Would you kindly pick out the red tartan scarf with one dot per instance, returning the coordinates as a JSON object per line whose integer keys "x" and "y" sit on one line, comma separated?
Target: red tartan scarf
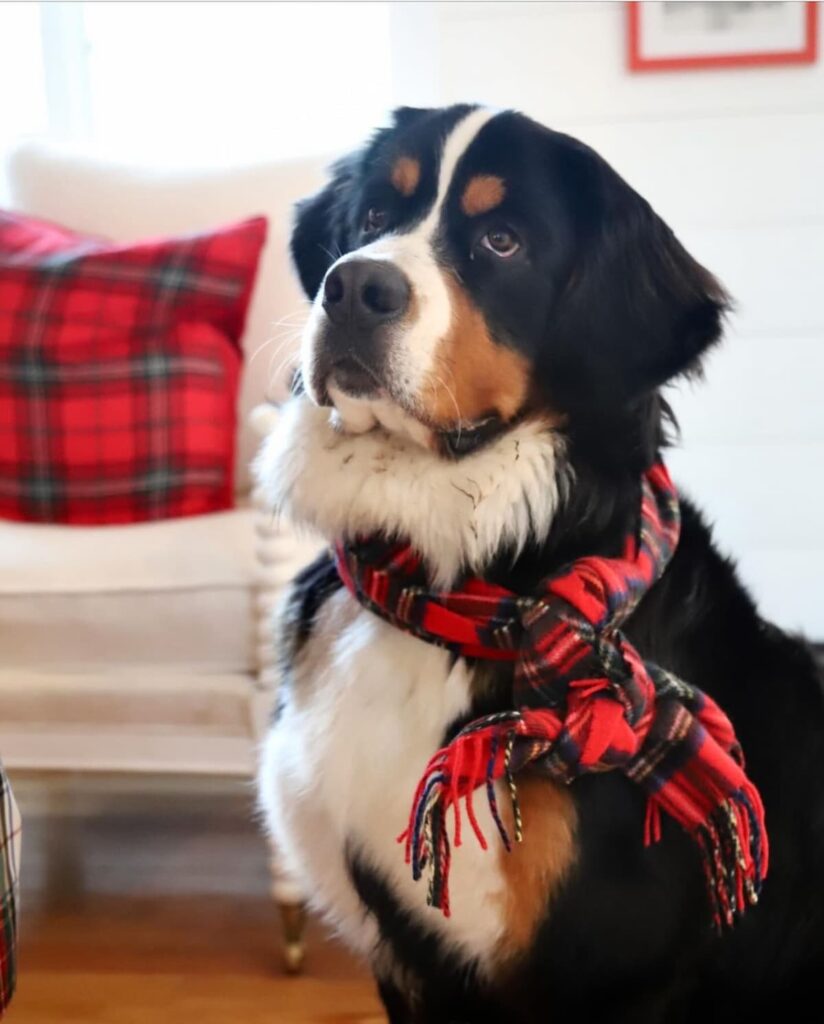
{"x": 583, "y": 701}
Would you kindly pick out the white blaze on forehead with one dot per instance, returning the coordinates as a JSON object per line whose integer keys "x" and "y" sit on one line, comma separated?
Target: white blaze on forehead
{"x": 413, "y": 356}
{"x": 455, "y": 145}
{"x": 412, "y": 359}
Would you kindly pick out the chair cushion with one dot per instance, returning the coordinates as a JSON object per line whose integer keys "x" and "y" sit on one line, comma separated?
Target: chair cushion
{"x": 127, "y": 719}
{"x": 119, "y": 368}
{"x": 173, "y": 593}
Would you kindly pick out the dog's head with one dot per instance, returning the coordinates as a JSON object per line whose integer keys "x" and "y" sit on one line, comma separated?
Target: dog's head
{"x": 469, "y": 269}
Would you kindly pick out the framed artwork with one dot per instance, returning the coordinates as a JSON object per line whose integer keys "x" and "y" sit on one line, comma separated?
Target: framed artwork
{"x": 667, "y": 36}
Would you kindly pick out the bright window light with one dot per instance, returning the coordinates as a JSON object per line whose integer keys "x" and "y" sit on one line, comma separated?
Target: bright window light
{"x": 22, "y": 89}
{"x": 188, "y": 82}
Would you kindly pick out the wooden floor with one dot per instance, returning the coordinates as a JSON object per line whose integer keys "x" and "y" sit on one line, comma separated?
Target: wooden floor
{"x": 163, "y": 917}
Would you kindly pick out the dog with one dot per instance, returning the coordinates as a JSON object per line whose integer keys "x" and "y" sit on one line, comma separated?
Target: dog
{"x": 493, "y": 313}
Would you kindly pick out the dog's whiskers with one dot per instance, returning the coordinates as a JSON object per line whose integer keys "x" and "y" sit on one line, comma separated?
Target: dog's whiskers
{"x": 282, "y": 339}
{"x": 291, "y": 358}
{"x": 291, "y": 324}
{"x": 331, "y": 256}
{"x": 451, "y": 394}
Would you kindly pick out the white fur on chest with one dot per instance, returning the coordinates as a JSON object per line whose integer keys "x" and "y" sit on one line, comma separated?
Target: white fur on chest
{"x": 457, "y": 514}
{"x": 367, "y": 707}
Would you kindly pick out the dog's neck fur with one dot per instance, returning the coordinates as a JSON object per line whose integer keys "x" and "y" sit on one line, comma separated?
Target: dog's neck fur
{"x": 515, "y": 510}
{"x": 458, "y": 514}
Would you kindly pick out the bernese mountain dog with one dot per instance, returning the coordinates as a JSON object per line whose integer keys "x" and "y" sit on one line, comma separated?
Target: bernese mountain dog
{"x": 493, "y": 314}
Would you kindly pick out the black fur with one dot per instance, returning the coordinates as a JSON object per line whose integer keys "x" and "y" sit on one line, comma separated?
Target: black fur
{"x": 328, "y": 224}
{"x": 607, "y": 305}
{"x": 602, "y": 298}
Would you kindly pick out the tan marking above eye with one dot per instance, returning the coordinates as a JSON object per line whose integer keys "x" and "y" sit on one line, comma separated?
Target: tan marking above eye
{"x": 405, "y": 175}
{"x": 482, "y": 193}
{"x": 472, "y": 374}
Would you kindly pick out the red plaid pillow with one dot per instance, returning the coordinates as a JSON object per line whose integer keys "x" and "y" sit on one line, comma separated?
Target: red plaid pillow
{"x": 119, "y": 367}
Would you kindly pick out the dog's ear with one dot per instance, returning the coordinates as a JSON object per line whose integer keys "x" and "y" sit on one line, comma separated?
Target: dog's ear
{"x": 637, "y": 309}
{"x": 405, "y": 117}
{"x": 321, "y": 225}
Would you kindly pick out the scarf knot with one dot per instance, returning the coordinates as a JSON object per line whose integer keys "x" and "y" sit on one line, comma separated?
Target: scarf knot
{"x": 584, "y": 701}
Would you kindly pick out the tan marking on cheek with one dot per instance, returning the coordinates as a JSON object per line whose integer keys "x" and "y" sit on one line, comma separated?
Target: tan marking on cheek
{"x": 535, "y": 867}
{"x": 483, "y": 193}
{"x": 472, "y": 374}
{"x": 405, "y": 175}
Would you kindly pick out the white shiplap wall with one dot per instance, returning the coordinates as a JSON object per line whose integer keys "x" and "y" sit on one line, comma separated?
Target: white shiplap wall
{"x": 734, "y": 161}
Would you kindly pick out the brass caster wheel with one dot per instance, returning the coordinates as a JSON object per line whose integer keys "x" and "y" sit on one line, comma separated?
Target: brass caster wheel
{"x": 293, "y": 922}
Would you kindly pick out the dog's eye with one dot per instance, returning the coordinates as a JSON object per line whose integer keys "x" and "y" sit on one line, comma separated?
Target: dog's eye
{"x": 502, "y": 242}
{"x": 375, "y": 220}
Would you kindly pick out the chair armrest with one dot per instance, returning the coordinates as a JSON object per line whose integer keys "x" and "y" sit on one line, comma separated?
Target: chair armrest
{"x": 281, "y": 552}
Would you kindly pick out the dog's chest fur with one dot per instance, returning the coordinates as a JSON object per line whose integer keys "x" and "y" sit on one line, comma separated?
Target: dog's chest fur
{"x": 365, "y": 706}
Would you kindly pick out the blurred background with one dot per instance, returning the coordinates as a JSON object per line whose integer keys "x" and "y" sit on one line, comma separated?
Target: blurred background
{"x": 136, "y": 671}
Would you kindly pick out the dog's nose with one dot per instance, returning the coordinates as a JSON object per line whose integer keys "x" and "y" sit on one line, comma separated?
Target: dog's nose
{"x": 365, "y": 293}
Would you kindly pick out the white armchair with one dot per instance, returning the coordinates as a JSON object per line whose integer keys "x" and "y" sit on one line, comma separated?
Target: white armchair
{"x": 148, "y": 648}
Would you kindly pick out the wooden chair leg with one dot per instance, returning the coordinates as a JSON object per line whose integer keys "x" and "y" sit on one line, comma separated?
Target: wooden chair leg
{"x": 293, "y": 922}
{"x": 289, "y": 899}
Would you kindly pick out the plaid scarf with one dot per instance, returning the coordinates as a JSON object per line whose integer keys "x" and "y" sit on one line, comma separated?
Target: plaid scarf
{"x": 583, "y": 701}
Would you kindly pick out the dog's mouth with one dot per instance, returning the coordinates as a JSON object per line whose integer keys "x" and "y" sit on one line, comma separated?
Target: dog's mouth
{"x": 362, "y": 402}
{"x": 469, "y": 437}
{"x": 354, "y": 378}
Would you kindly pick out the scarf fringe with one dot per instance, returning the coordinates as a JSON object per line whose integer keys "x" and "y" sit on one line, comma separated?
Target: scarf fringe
{"x": 478, "y": 756}
{"x": 731, "y": 854}
{"x": 731, "y": 838}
